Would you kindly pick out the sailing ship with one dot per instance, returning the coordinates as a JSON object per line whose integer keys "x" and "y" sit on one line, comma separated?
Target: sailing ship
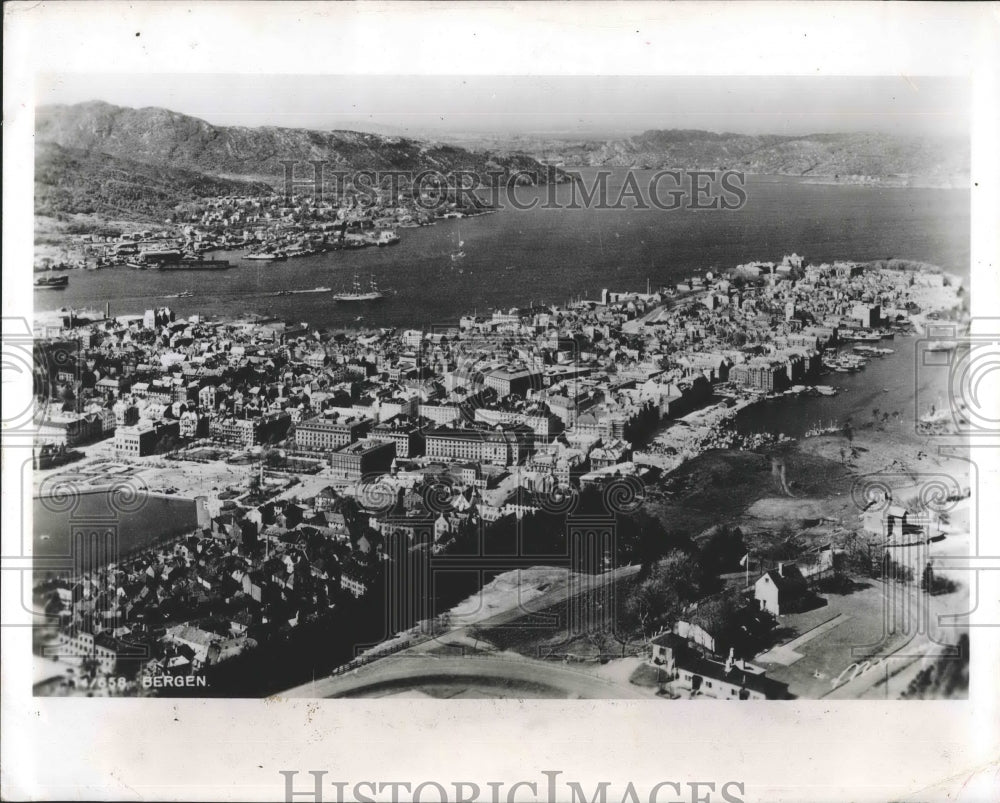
{"x": 358, "y": 294}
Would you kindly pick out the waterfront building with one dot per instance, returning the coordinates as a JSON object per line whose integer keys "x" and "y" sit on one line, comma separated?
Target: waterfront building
{"x": 762, "y": 375}
{"x": 143, "y": 439}
{"x": 870, "y": 315}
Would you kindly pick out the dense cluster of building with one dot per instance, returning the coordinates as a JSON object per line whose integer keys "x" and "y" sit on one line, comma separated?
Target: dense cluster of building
{"x": 503, "y": 407}
{"x": 276, "y": 225}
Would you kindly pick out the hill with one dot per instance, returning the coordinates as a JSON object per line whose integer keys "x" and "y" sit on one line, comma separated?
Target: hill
{"x": 163, "y": 137}
{"x": 918, "y": 160}
{"x": 72, "y": 181}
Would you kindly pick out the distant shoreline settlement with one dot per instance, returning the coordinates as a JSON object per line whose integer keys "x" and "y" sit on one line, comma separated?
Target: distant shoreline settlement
{"x": 310, "y": 451}
{"x": 265, "y": 228}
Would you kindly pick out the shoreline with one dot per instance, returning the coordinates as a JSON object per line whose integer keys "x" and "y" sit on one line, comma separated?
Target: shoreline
{"x": 671, "y": 443}
{"x": 634, "y": 326}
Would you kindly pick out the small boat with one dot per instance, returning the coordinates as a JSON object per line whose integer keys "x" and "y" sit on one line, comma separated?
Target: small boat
{"x": 826, "y": 390}
{"x": 457, "y": 256}
{"x": 51, "y": 282}
{"x": 299, "y": 292}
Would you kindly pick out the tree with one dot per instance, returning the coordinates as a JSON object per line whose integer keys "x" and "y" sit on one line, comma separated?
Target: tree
{"x": 655, "y": 602}
{"x": 650, "y": 539}
{"x": 722, "y": 550}
{"x": 735, "y": 625}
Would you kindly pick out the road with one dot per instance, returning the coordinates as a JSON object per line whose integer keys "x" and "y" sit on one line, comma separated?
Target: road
{"x": 887, "y": 674}
{"x": 504, "y": 676}
{"x": 636, "y": 325}
{"x": 415, "y": 666}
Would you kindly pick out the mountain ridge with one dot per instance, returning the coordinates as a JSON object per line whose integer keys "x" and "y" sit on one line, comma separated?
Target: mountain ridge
{"x": 836, "y": 154}
{"x": 70, "y": 181}
{"x": 162, "y": 136}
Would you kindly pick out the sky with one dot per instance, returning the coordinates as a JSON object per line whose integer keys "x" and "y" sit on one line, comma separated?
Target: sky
{"x": 556, "y": 106}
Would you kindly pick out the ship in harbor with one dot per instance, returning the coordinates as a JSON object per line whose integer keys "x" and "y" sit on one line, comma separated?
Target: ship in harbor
{"x": 299, "y": 292}
{"x": 860, "y": 337}
{"x": 175, "y": 260}
{"x": 193, "y": 263}
{"x": 873, "y": 350}
{"x": 51, "y": 282}
{"x": 358, "y": 294}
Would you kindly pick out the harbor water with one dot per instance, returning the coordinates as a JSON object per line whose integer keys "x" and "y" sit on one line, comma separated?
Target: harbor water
{"x": 516, "y": 257}
{"x": 894, "y": 383}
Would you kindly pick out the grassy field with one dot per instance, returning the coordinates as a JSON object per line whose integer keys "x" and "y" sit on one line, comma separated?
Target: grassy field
{"x": 745, "y": 489}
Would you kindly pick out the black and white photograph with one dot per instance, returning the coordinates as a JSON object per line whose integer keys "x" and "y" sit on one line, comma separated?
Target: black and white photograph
{"x": 497, "y": 386}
